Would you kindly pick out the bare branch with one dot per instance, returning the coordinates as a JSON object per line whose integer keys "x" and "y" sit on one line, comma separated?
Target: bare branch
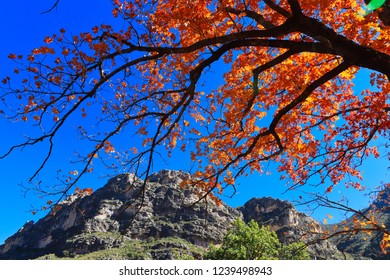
{"x": 52, "y": 8}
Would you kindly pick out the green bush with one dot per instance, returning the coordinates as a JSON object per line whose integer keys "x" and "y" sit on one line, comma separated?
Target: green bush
{"x": 251, "y": 242}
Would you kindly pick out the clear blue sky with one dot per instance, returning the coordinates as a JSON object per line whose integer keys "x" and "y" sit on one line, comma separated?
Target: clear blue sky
{"x": 23, "y": 28}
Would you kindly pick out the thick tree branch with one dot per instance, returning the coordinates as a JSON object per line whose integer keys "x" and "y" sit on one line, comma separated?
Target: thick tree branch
{"x": 295, "y": 7}
{"x": 353, "y": 53}
{"x": 307, "y": 92}
{"x": 277, "y": 8}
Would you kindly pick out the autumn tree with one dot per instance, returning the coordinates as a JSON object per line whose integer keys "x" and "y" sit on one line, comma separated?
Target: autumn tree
{"x": 287, "y": 92}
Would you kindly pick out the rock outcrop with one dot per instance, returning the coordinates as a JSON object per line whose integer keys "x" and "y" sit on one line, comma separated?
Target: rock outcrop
{"x": 367, "y": 245}
{"x": 290, "y": 225}
{"x": 121, "y": 221}
{"x": 121, "y": 212}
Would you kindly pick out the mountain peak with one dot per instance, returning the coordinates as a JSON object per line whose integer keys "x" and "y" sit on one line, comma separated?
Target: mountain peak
{"x": 122, "y": 208}
{"x": 168, "y": 177}
{"x": 154, "y": 223}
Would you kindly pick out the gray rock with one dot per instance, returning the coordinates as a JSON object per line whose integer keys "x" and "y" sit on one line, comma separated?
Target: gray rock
{"x": 363, "y": 245}
{"x": 290, "y": 225}
{"x": 128, "y": 212}
{"x": 121, "y": 208}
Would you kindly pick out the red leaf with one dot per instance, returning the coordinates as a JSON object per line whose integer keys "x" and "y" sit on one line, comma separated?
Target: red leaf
{"x": 328, "y": 190}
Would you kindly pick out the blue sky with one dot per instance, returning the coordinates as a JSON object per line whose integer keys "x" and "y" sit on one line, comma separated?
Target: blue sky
{"x": 23, "y": 28}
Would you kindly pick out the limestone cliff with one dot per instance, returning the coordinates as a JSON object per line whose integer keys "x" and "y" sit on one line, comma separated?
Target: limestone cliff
{"x": 119, "y": 221}
{"x": 290, "y": 225}
{"x": 118, "y": 213}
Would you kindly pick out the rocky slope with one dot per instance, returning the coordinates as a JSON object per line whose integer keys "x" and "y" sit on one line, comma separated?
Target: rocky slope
{"x": 290, "y": 225}
{"x": 363, "y": 244}
{"x": 112, "y": 217}
{"x": 111, "y": 224}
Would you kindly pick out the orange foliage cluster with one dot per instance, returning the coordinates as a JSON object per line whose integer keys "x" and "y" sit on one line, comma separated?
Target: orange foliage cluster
{"x": 385, "y": 244}
{"x": 83, "y": 192}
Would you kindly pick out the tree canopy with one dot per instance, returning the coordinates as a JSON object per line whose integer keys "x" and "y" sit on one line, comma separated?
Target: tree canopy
{"x": 286, "y": 95}
{"x": 251, "y": 242}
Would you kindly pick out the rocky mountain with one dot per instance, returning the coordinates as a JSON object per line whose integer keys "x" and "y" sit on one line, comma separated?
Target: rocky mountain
{"x": 290, "y": 225}
{"x": 120, "y": 213}
{"x": 363, "y": 244}
{"x": 120, "y": 221}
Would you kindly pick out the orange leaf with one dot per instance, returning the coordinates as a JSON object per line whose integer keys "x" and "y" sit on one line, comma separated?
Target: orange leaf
{"x": 88, "y": 191}
{"x": 48, "y": 40}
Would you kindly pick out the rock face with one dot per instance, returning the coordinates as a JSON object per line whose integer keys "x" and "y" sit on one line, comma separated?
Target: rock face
{"x": 89, "y": 224}
{"x": 363, "y": 244}
{"x": 290, "y": 225}
{"x": 160, "y": 223}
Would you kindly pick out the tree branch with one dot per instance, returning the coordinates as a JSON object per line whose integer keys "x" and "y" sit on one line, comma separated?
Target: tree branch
{"x": 52, "y": 8}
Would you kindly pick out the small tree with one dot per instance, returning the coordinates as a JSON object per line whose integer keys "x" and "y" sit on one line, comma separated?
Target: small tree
{"x": 251, "y": 242}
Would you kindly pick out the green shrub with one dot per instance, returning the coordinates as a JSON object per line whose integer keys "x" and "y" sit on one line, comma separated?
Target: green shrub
{"x": 251, "y": 242}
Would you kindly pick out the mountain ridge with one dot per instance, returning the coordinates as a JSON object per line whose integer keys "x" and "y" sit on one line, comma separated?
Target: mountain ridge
{"x": 112, "y": 219}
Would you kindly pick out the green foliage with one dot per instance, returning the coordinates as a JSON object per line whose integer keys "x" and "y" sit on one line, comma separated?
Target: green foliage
{"x": 293, "y": 251}
{"x": 179, "y": 248}
{"x": 251, "y": 242}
